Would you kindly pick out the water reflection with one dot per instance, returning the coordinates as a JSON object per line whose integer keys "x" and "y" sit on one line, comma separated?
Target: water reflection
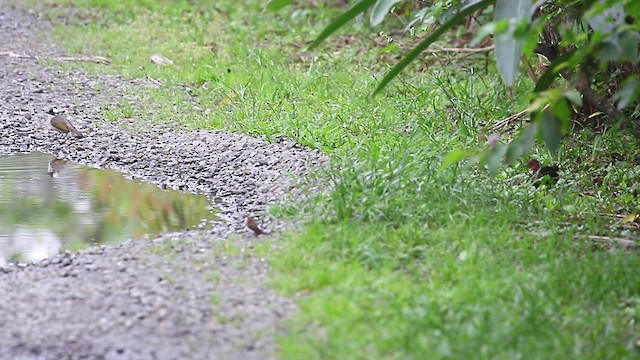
{"x": 48, "y": 205}
{"x": 55, "y": 166}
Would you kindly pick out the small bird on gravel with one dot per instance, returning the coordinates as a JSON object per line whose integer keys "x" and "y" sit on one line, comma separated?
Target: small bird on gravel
{"x": 253, "y": 225}
{"x": 543, "y": 175}
{"x": 61, "y": 124}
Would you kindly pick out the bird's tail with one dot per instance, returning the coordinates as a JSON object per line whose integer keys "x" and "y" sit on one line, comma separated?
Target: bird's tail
{"x": 77, "y": 134}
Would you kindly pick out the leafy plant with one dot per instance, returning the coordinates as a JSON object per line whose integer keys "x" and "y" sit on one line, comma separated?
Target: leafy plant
{"x": 590, "y": 51}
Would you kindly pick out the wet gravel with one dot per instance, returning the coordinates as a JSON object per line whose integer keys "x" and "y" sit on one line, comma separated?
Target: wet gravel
{"x": 179, "y": 296}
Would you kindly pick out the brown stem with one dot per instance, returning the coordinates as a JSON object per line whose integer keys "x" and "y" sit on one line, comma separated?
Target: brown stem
{"x": 600, "y": 103}
{"x": 583, "y": 86}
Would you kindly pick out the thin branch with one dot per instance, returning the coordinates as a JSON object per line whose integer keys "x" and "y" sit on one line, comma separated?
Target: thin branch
{"x": 437, "y": 49}
{"x": 154, "y": 80}
{"x": 15, "y": 55}
{"x": 629, "y": 243}
{"x": 532, "y": 73}
{"x": 93, "y": 59}
{"x": 600, "y": 103}
{"x": 582, "y": 83}
{"x": 612, "y": 240}
{"x": 501, "y": 124}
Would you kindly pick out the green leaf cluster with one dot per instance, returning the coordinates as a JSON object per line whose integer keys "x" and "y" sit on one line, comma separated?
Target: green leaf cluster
{"x": 589, "y": 49}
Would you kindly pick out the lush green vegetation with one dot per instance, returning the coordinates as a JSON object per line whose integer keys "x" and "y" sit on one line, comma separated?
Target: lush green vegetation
{"x": 401, "y": 259}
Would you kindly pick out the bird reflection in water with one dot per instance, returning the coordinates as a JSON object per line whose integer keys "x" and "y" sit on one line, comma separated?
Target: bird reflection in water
{"x": 73, "y": 206}
{"x": 55, "y": 167}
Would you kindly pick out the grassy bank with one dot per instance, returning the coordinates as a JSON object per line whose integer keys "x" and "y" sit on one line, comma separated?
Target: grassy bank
{"x": 401, "y": 260}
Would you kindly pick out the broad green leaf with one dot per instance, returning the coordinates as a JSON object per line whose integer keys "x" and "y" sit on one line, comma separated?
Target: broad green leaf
{"x": 508, "y": 49}
{"x": 485, "y": 30}
{"x": 380, "y": 10}
{"x": 522, "y": 143}
{"x": 454, "y": 157}
{"x": 419, "y": 16}
{"x": 607, "y": 21}
{"x": 608, "y": 51}
{"x": 456, "y": 19}
{"x": 627, "y": 93}
{"x": 553, "y": 70}
{"x": 495, "y": 158}
{"x": 562, "y": 113}
{"x": 628, "y": 41}
{"x": 550, "y": 131}
{"x": 275, "y": 5}
{"x": 573, "y": 96}
{"x": 474, "y": 160}
{"x": 633, "y": 7}
{"x": 357, "y": 9}
{"x": 388, "y": 48}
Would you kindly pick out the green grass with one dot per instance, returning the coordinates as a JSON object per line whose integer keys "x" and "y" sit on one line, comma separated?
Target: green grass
{"x": 400, "y": 260}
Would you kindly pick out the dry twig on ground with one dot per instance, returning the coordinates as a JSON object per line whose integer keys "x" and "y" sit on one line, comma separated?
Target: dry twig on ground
{"x": 93, "y": 59}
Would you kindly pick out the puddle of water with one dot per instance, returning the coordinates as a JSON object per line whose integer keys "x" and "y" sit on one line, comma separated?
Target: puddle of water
{"x": 49, "y": 205}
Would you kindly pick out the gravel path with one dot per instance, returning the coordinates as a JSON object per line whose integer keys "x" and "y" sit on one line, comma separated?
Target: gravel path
{"x": 176, "y": 297}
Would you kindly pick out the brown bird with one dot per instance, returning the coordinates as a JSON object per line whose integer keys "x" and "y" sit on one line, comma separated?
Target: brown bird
{"x": 543, "y": 175}
{"x": 61, "y": 124}
{"x": 253, "y": 225}
{"x": 55, "y": 166}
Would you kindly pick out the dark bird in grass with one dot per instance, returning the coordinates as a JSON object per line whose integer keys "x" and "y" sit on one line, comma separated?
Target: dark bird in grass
{"x": 543, "y": 175}
{"x": 253, "y": 225}
{"x": 62, "y": 125}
